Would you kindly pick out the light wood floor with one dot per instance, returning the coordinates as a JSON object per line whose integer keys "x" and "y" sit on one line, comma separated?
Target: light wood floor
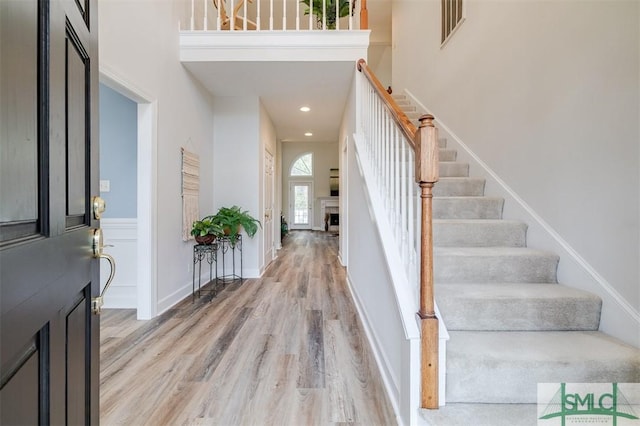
{"x": 285, "y": 349}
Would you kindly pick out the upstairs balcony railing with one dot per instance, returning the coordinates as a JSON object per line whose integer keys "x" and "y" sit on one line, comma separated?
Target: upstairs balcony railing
{"x": 275, "y": 15}
{"x": 402, "y": 160}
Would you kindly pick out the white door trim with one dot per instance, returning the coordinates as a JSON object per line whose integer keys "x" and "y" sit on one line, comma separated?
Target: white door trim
{"x": 147, "y": 299}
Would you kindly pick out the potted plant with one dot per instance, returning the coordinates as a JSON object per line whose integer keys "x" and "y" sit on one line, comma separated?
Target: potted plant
{"x": 206, "y": 230}
{"x": 330, "y": 7}
{"x": 232, "y": 219}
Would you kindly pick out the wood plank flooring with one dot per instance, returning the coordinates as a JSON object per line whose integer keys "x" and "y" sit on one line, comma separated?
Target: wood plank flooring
{"x": 285, "y": 349}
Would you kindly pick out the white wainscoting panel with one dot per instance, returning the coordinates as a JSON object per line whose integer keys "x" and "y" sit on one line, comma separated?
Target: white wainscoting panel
{"x": 122, "y": 235}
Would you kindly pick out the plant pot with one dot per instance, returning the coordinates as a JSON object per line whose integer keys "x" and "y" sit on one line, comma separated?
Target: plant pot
{"x": 227, "y": 230}
{"x": 205, "y": 239}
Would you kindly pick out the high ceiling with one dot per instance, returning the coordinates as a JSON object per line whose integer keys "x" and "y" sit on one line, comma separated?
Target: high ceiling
{"x": 284, "y": 87}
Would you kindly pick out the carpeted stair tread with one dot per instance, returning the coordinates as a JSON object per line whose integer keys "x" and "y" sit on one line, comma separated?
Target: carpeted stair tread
{"x": 479, "y": 233}
{"x": 459, "y": 186}
{"x": 482, "y": 415}
{"x": 453, "y": 169}
{"x": 467, "y": 207}
{"x": 493, "y": 264}
{"x": 505, "y": 367}
{"x": 517, "y": 307}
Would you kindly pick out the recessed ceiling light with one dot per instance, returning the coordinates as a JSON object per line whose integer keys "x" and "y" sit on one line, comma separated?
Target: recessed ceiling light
{"x": 308, "y": 134}
{"x": 305, "y": 109}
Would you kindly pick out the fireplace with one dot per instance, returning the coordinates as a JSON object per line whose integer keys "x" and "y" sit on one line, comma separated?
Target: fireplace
{"x": 330, "y": 211}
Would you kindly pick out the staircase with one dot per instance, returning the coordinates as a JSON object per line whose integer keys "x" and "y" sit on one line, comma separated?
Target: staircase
{"x": 511, "y": 324}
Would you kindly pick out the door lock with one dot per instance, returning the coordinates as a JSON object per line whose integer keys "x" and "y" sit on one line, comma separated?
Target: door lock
{"x": 99, "y": 206}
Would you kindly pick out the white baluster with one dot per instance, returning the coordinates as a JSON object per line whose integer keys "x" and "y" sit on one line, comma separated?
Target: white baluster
{"x": 411, "y": 220}
{"x": 377, "y": 131}
{"x": 337, "y": 15}
{"x": 219, "y": 17}
{"x": 206, "y": 17}
{"x": 297, "y": 16}
{"x": 192, "y": 14}
{"x": 403, "y": 202}
{"x": 271, "y": 15}
{"x": 284, "y": 15}
{"x": 244, "y": 15}
{"x": 311, "y": 16}
{"x": 390, "y": 126}
{"x": 394, "y": 174}
{"x": 232, "y": 25}
{"x": 258, "y": 7}
{"x": 398, "y": 141}
{"x": 324, "y": 14}
{"x": 350, "y": 15}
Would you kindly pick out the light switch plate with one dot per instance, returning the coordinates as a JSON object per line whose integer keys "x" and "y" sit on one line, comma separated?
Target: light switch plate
{"x": 105, "y": 185}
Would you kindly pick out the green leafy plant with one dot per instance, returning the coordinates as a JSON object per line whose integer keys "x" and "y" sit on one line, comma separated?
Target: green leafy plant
{"x": 319, "y": 6}
{"x": 206, "y": 229}
{"x": 231, "y": 219}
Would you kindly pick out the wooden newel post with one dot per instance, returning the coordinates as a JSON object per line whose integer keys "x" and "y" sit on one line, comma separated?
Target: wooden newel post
{"x": 364, "y": 16}
{"x": 426, "y": 142}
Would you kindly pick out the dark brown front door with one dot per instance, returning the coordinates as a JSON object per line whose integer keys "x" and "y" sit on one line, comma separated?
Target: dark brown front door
{"x": 49, "y": 357}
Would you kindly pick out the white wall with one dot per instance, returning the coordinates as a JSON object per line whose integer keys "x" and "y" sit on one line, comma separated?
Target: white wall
{"x": 139, "y": 43}
{"x": 547, "y": 95}
{"x": 325, "y": 157}
{"x": 237, "y": 174}
{"x": 379, "y": 59}
{"x": 118, "y": 152}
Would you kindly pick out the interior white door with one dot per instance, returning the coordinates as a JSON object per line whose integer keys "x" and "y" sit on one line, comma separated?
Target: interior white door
{"x": 269, "y": 223}
{"x": 301, "y": 205}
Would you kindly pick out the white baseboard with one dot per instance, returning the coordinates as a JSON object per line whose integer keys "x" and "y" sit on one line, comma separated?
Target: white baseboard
{"x": 121, "y": 297}
{"x": 177, "y": 296}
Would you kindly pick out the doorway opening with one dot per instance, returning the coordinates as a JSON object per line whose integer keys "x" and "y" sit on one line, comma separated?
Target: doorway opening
{"x": 145, "y": 181}
{"x": 301, "y": 205}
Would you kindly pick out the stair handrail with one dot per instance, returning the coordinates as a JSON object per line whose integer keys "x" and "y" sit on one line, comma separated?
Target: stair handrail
{"x": 424, "y": 141}
{"x": 401, "y": 119}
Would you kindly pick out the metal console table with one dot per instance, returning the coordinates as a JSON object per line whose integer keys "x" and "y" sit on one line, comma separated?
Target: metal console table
{"x": 208, "y": 253}
{"x": 226, "y": 245}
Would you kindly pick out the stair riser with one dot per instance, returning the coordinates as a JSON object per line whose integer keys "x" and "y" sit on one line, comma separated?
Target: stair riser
{"x": 447, "y": 154}
{"x": 520, "y": 314}
{"x": 474, "y": 234}
{"x": 495, "y": 367}
{"x": 516, "y": 383}
{"x": 495, "y": 269}
{"x": 467, "y": 208}
{"x": 453, "y": 169}
{"x": 472, "y": 187}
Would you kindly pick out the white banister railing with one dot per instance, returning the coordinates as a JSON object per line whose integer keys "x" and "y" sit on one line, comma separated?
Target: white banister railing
{"x": 272, "y": 15}
{"x": 402, "y": 163}
{"x": 393, "y": 160}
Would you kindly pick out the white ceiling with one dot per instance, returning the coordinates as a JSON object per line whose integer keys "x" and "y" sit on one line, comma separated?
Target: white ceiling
{"x": 283, "y": 87}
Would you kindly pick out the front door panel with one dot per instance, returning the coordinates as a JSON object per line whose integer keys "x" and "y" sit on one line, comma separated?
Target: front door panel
{"x": 48, "y": 172}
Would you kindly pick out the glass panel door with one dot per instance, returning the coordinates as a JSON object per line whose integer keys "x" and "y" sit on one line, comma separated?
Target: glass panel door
{"x": 301, "y": 202}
